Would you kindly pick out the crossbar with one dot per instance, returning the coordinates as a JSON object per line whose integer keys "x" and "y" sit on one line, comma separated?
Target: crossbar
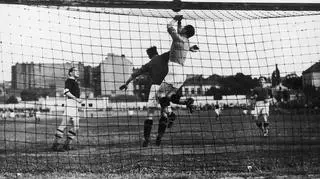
{"x": 171, "y": 4}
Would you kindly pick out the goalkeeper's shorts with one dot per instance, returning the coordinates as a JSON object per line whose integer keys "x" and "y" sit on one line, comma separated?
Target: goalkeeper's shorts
{"x": 165, "y": 90}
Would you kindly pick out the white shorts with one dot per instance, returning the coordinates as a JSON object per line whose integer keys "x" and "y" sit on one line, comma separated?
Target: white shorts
{"x": 152, "y": 100}
{"x": 217, "y": 111}
{"x": 71, "y": 108}
{"x": 261, "y": 108}
{"x": 160, "y": 91}
{"x": 176, "y": 75}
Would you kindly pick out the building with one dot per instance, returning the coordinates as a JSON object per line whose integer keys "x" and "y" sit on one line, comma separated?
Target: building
{"x": 114, "y": 71}
{"x": 44, "y": 75}
{"x": 141, "y": 86}
{"x": 311, "y": 76}
{"x": 196, "y": 85}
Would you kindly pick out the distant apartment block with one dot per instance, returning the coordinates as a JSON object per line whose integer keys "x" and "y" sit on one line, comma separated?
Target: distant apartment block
{"x": 43, "y": 75}
{"x": 103, "y": 80}
{"x": 115, "y": 70}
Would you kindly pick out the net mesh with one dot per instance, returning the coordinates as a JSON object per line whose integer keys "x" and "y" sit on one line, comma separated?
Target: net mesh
{"x": 38, "y": 45}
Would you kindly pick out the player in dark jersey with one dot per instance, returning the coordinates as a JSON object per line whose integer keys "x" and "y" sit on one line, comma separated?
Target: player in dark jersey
{"x": 261, "y": 99}
{"x": 70, "y": 120}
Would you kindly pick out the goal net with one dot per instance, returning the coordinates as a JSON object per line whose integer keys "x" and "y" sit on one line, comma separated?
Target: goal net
{"x": 40, "y": 41}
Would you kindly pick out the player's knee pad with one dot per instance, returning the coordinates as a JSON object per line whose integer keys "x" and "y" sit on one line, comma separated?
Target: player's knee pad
{"x": 164, "y": 102}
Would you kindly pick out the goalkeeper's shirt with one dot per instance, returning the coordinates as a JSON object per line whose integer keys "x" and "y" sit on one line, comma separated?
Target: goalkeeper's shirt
{"x": 179, "y": 47}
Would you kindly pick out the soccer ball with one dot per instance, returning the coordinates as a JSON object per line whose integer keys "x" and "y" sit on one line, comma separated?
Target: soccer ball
{"x": 176, "y": 5}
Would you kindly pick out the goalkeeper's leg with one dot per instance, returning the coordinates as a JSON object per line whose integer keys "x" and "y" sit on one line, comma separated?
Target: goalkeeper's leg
{"x": 166, "y": 111}
{"x": 176, "y": 99}
{"x": 161, "y": 128}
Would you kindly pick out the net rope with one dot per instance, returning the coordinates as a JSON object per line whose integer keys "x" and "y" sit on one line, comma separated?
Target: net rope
{"x": 40, "y": 43}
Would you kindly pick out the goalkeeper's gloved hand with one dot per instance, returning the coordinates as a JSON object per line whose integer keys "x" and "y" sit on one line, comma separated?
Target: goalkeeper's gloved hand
{"x": 194, "y": 48}
{"x": 178, "y": 17}
{"x": 123, "y": 87}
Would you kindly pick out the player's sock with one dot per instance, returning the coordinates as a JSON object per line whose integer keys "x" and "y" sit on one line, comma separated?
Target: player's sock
{"x": 161, "y": 129}
{"x": 259, "y": 125}
{"x": 172, "y": 118}
{"x": 57, "y": 137}
{"x": 266, "y": 128}
{"x": 68, "y": 142}
{"x": 146, "y": 131}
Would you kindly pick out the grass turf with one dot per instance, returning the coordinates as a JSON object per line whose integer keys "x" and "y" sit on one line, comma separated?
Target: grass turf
{"x": 196, "y": 143}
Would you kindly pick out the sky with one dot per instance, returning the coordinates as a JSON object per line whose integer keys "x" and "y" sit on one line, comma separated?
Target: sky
{"x": 253, "y": 47}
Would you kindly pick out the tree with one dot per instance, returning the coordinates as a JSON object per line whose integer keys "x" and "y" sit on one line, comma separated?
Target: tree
{"x": 238, "y": 84}
{"x": 216, "y": 93}
{"x": 293, "y": 82}
{"x": 12, "y": 100}
{"x": 275, "y": 77}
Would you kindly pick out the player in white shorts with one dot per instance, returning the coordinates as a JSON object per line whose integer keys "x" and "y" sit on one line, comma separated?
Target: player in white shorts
{"x": 261, "y": 96}
{"x": 70, "y": 120}
{"x": 217, "y": 110}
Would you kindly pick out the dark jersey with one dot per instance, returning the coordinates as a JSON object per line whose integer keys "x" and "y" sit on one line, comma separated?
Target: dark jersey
{"x": 262, "y": 93}
{"x": 72, "y": 86}
{"x": 156, "y": 69}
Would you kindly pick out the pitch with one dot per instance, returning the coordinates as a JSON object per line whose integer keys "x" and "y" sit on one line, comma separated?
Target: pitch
{"x": 196, "y": 142}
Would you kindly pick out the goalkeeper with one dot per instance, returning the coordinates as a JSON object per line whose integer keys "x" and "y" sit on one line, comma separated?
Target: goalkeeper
{"x": 161, "y": 91}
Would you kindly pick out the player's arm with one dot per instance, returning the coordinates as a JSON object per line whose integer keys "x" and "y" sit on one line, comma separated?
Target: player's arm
{"x": 172, "y": 31}
{"x": 134, "y": 75}
{"x": 179, "y": 27}
{"x": 70, "y": 95}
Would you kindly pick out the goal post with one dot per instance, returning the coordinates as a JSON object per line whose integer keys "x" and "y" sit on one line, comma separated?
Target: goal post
{"x": 107, "y": 41}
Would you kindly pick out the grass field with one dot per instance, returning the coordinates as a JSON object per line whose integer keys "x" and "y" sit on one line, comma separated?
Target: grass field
{"x": 196, "y": 143}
